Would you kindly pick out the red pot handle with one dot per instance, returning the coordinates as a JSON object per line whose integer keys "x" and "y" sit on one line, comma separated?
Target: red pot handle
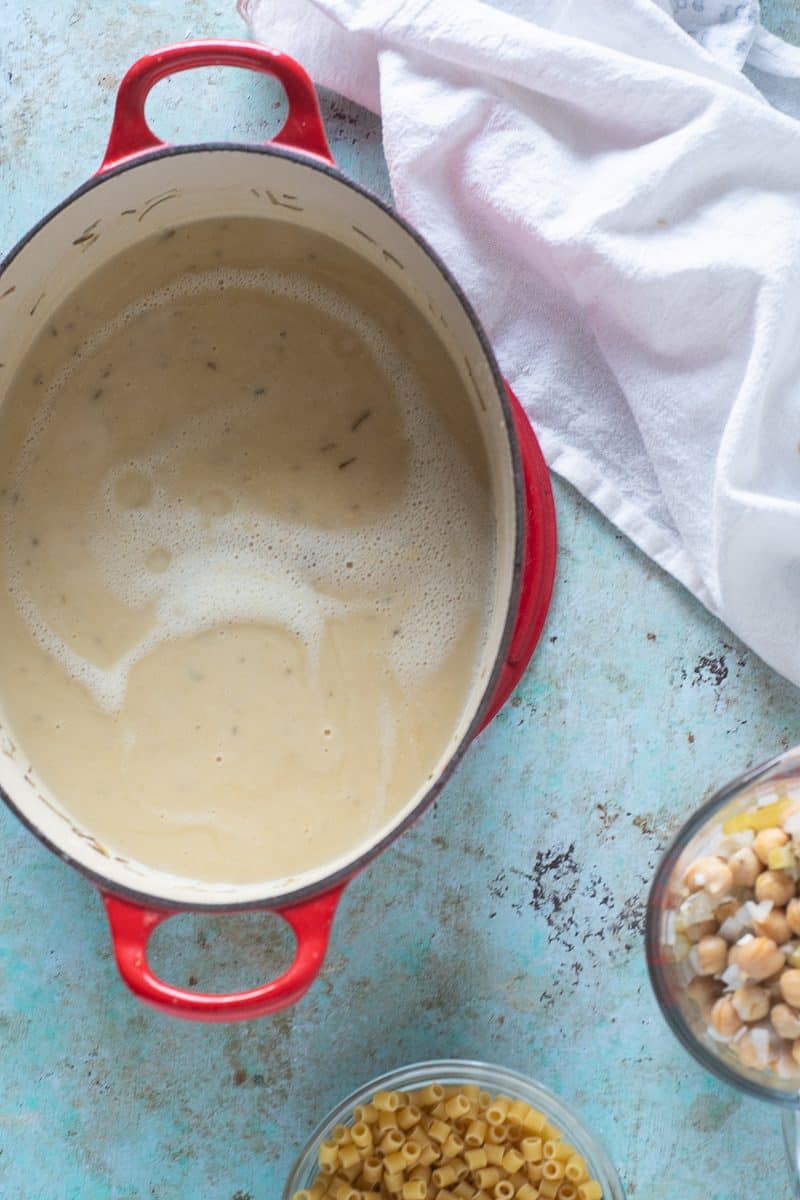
{"x": 131, "y": 927}
{"x": 131, "y": 135}
{"x": 539, "y": 559}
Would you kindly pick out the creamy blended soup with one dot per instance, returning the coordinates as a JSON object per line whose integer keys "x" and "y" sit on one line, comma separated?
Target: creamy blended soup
{"x": 247, "y": 552}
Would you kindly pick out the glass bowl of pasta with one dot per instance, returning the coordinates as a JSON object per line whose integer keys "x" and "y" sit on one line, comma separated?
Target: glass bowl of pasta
{"x": 452, "y": 1128}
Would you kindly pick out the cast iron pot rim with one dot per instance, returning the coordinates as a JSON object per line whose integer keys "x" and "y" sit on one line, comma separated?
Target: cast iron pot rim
{"x": 354, "y": 866}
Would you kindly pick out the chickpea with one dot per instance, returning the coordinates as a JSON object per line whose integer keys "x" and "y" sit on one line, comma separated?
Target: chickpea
{"x": 790, "y": 987}
{"x": 793, "y": 915}
{"x": 773, "y": 986}
{"x": 768, "y": 839}
{"x": 745, "y": 867}
{"x": 776, "y": 886}
{"x": 751, "y": 1002}
{"x": 710, "y": 955}
{"x": 746, "y": 1049}
{"x": 785, "y": 1021}
{"x": 774, "y": 925}
{"x": 757, "y": 958}
{"x": 711, "y": 874}
{"x": 700, "y": 929}
{"x": 704, "y": 990}
{"x": 724, "y": 1017}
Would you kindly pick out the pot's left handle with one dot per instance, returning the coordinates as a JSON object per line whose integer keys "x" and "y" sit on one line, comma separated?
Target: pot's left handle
{"x": 132, "y": 925}
{"x": 131, "y": 135}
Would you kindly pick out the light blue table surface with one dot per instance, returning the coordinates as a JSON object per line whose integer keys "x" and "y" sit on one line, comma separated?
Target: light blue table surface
{"x": 506, "y": 925}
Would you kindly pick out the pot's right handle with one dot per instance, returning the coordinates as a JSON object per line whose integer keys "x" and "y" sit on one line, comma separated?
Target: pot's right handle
{"x": 538, "y": 562}
{"x": 790, "y": 1121}
{"x": 132, "y": 136}
{"x": 132, "y": 925}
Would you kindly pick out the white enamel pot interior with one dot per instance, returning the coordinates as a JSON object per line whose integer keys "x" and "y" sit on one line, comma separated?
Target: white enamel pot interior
{"x": 142, "y": 188}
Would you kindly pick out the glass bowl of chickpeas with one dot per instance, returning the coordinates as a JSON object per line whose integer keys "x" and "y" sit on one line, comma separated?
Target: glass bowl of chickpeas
{"x": 448, "y": 1130}
{"x": 723, "y": 937}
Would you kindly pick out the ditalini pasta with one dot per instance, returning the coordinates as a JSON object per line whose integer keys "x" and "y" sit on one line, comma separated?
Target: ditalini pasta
{"x": 449, "y": 1143}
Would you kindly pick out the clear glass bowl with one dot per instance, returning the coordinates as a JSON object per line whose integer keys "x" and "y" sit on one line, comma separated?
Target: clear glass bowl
{"x": 670, "y": 977}
{"x": 448, "y": 1071}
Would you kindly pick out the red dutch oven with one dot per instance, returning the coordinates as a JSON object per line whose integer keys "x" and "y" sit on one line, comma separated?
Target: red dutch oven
{"x": 142, "y": 186}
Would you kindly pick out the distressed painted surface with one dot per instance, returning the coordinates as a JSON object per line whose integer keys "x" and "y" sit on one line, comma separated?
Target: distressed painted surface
{"x": 783, "y": 18}
{"x": 505, "y": 925}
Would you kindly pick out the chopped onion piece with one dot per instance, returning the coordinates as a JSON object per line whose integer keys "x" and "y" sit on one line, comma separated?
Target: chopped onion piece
{"x": 731, "y": 928}
{"x": 760, "y": 1041}
{"x": 758, "y": 912}
{"x": 735, "y": 841}
{"x": 740, "y": 922}
{"x": 698, "y": 907}
{"x": 669, "y": 928}
{"x": 733, "y": 977}
{"x": 682, "y": 948}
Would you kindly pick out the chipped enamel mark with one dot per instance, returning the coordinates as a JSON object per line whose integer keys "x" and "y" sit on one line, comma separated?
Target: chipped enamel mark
{"x": 284, "y": 202}
{"x": 88, "y": 237}
{"x": 436, "y": 313}
{"x": 92, "y": 841}
{"x": 7, "y": 746}
{"x": 365, "y": 236}
{"x": 387, "y": 254}
{"x": 156, "y": 200}
{"x": 8, "y": 291}
{"x": 36, "y": 305}
{"x": 54, "y": 809}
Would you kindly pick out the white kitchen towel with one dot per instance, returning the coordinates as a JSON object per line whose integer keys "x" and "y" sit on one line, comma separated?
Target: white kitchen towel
{"x": 622, "y": 206}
